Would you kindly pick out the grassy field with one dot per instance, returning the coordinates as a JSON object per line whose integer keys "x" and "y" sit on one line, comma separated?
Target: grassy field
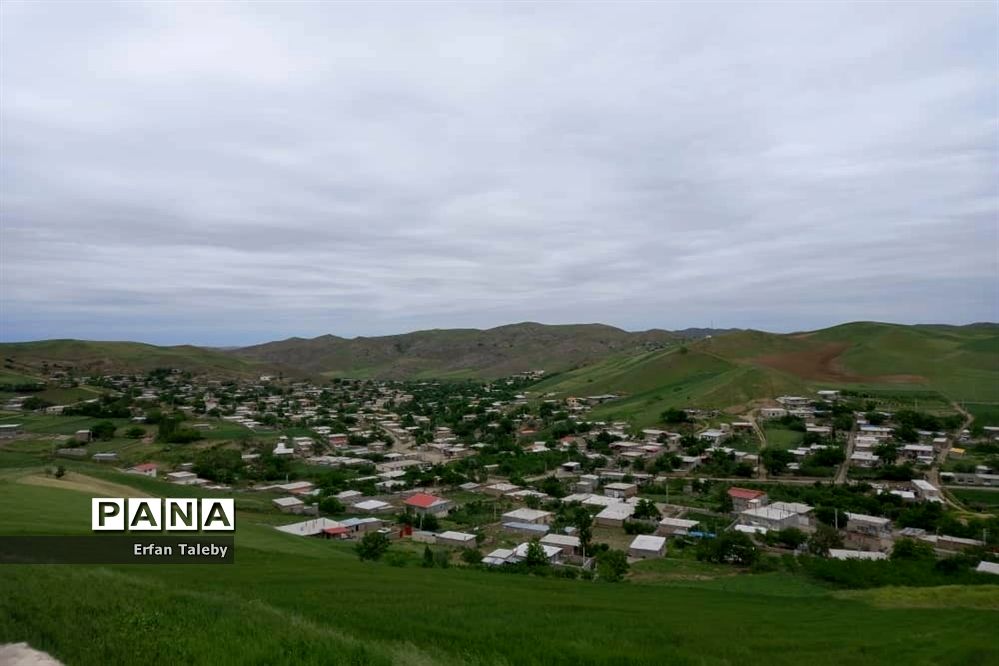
{"x": 982, "y": 500}
{"x": 782, "y": 438}
{"x": 985, "y": 414}
{"x": 290, "y": 600}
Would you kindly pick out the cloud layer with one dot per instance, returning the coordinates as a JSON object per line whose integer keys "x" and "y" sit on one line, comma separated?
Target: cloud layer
{"x": 230, "y": 173}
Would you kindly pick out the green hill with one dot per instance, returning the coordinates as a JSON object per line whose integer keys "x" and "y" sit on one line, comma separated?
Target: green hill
{"x": 110, "y": 357}
{"x": 292, "y": 600}
{"x": 945, "y": 363}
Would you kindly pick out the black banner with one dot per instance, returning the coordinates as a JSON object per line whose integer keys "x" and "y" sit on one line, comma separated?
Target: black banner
{"x": 117, "y": 549}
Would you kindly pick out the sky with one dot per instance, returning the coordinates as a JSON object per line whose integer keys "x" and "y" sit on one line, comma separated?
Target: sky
{"x": 231, "y": 173}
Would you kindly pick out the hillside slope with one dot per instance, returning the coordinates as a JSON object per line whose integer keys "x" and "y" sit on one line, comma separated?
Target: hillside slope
{"x": 732, "y": 371}
{"x": 439, "y": 353}
{"x": 85, "y": 356}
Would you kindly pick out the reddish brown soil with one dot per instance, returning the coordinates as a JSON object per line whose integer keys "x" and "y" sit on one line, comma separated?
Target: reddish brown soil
{"x": 822, "y": 364}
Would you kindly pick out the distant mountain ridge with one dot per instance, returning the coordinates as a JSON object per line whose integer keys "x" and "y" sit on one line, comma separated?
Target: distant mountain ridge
{"x": 488, "y": 353}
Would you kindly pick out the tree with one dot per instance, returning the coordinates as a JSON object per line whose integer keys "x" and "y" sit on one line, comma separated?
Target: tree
{"x": 330, "y": 505}
{"x": 887, "y": 453}
{"x": 910, "y": 549}
{"x": 428, "y": 558}
{"x": 103, "y": 430}
{"x": 673, "y": 415}
{"x": 535, "y": 554}
{"x": 646, "y": 509}
{"x": 471, "y": 556}
{"x": 823, "y": 539}
{"x": 135, "y": 432}
{"x": 612, "y": 565}
{"x": 60, "y": 472}
{"x": 776, "y": 460}
{"x": 372, "y": 546}
{"x": 789, "y": 537}
{"x": 728, "y": 548}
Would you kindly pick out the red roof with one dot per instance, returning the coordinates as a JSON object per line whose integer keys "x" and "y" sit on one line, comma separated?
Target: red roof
{"x": 745, "y": 493}
{"x": 424, "y": 501}
{"x": 145, "y": 467}
{"x": 335, "y": 530}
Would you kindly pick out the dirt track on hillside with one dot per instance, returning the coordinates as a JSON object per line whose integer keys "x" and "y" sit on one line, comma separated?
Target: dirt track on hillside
{"x": 822, "y": 364}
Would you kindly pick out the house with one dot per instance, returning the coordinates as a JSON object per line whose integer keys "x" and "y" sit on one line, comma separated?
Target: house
{"x": 647, "y": 547}
{"x": 362, "y": 525}
{"x": 456, "y": 539}
{"x": 872, "y": 526}
{"x": 552, "y": 553}
{"x": 745, "y": 498}
{"x": 614, "y": 515}
{"x": 777, "y": 516}
{"x": 772, "y": 412}
{"x": 372, "y": 506}
{"x": 533, "y": 516}
{"x": 423, "y": 503}
{"x": 620, "y": 490}
{"x": 568, "y": 544}
{"x": 587, "y": 483}
{"x": 675, "y": 526}
{"x": 863, "y": 459}
{"x": 350, "y": 496}
{"x": 9, "y": 430}
{"x": 498, "y": 489}
{"x": 843, "y": 554}
{"x": 988, "y": 567}
{"x": 82, "y": 436}
{"x": 713, "y": 435}
{"x": 145, "y": 469}
{"x": 498, "y": 557}
{"x": 105, "y": 457}
{"x": 312, "y": 527}
{"x": 926, "y": 491}
{"x": 289, "y": 504}
{"x": 531, "y": 529}
{"x": 182, "y": 478}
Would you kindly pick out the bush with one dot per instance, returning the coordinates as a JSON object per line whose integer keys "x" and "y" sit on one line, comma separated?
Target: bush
{"x": 728, "y": 548}
{"x": 471, "y": 556}
{"x": 103, "y": 430}
{"x": 372, "y": 546}
{"x": 638, "y": 527}
{"x": 135, "y": 432}
{"x": 612, "y": 565}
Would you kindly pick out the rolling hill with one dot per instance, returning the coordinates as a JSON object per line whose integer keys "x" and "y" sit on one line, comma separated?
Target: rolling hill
{"x": 458, "y": 353}
{"x": 731, "y": 371}
{"x": 29, "y": 358}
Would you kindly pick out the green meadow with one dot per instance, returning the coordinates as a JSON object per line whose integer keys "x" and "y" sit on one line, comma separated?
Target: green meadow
{"x": 291, "y": 600}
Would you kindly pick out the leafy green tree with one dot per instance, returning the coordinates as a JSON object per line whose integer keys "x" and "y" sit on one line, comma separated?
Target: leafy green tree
{"x": 646, "y": 509}
{"x": 824, "y": 539}
{"x": 776, "y": 460}
{"x": 330, "y": 505}
{"x": 135, "y": 432}
{"x": 673, "y": 415}
{"x": 372, "y": 546}
{"x": 471, "y": 556}
{"x": 535, "y": 554}
{"x": 103, "y": 430}
{"x": 887, "y": 453}
{"x": 910, "y": 549}
{"x": 728, "y": 548}
{"x": 60, "y": 472}
{"x": 612, "y": 565}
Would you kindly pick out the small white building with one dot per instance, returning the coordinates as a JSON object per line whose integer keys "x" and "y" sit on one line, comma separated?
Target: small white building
{"x": 676, "y": 527}
{"x": 647, "y": 546}
{"x": 532, "y": 516}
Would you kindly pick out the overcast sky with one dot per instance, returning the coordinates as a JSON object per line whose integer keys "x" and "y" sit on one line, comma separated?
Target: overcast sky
{"x": 234, "y": 173}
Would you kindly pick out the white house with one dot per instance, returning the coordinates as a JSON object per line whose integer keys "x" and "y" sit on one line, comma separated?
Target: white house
{"x": 647, "y": 546}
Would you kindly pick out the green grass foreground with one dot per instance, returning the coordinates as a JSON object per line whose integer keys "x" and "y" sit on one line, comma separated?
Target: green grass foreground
{"x": 289, "y": 600}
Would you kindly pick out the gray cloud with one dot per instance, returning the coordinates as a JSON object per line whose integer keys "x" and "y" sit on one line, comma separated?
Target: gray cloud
{"x": 226, "y": 173}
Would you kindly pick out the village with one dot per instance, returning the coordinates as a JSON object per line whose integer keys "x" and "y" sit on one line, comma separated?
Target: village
{"x": 493, "y": 474}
